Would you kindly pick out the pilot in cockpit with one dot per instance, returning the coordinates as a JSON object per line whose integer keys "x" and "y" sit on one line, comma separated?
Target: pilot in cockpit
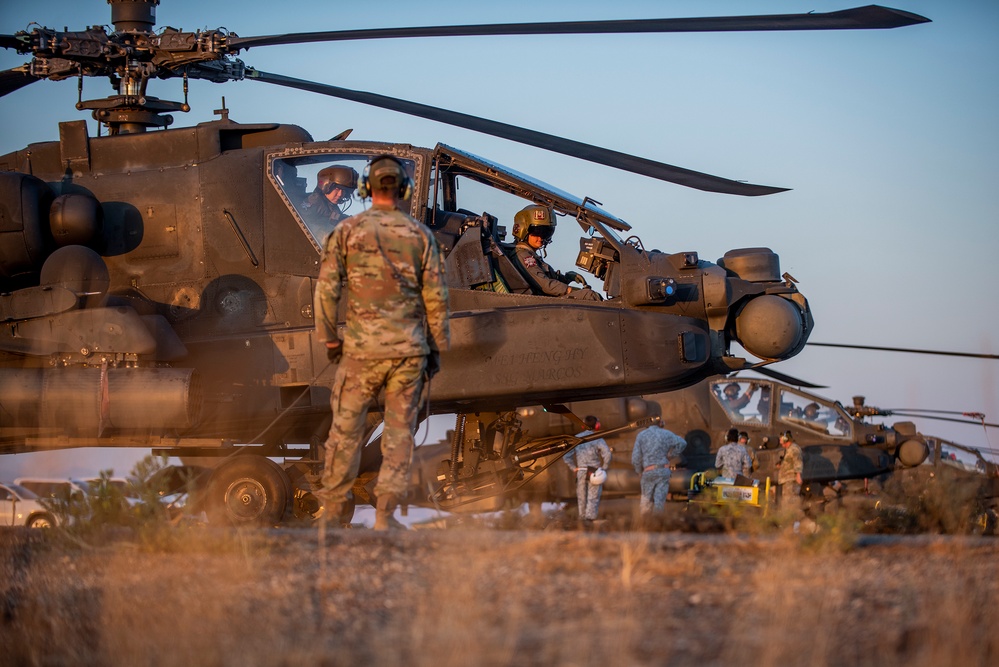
{"x": 334, "y": 186}
{"x": 533, "y": 228}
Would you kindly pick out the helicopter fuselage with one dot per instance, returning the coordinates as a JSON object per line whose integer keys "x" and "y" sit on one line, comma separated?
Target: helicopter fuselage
{"x": 167, "y": 277}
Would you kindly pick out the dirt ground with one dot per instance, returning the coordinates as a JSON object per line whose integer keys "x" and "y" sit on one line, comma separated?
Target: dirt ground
{"x": 474, "y": 595}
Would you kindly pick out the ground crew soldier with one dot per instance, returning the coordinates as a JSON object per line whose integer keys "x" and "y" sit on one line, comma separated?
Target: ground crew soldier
{"x": 732, "y": 459}
{"x": 654, "y": 447}
{"x": 396, "y": 327}
{"x": 533, "y": 228}
{"x": 744, "y": 442}
{"x": 789, "y": 473}
{"x": 586, "y": 460}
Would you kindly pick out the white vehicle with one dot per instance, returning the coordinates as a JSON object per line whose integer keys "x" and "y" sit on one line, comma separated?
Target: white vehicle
{"x": 52, "y": 488}
{"x": 21, "y": 507}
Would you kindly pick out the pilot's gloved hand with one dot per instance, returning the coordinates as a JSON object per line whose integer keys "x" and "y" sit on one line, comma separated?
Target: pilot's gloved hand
{"x": 334, "y": 350}
{"x": 433, "y": 363}
{"x": 575, "y": 277}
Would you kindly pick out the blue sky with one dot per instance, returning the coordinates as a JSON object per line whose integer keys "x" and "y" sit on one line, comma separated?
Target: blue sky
{"x": 888, "y": 139}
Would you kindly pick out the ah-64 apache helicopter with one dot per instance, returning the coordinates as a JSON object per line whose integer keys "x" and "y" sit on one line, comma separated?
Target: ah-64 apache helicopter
{"x": 157, "y": 286}
{"x": 838, "y": 442}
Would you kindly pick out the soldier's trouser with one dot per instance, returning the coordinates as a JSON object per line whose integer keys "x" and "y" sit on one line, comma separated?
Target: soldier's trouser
{"x": 587, "y": 495}
{"x": 655, "y": 488}
{"x": 789, "y": 496}
{"x": 355, "y": 388}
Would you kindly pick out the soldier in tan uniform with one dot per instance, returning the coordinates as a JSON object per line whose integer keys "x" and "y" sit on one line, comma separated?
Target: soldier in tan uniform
{"x": 396, "y": 327}
{"x": 789, "y": 473}
{"x": 533, "y": 228}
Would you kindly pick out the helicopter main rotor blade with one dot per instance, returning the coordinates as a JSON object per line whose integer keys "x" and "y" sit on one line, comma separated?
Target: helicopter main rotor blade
{"x": 10, "y": 42}
{"x": 14, "y": 79}
{"x": 604, "y": 156}
{"x": 859, "y": 18}
{"x": 973, "y": 355}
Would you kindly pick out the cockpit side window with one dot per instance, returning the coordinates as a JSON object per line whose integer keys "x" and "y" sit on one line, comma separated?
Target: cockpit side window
{"x": 322, "y": 188}
{"x": 799, "y": 410}
{"x": 744, "y": 401}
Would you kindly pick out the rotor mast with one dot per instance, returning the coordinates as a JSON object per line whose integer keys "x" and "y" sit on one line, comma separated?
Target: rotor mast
{"x": 131, "y": 110}
{"x": 133, "y": 15}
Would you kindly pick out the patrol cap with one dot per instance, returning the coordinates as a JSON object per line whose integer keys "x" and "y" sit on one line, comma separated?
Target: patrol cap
{"x": 385, "y": 173}
{"x": 732, "y": 435}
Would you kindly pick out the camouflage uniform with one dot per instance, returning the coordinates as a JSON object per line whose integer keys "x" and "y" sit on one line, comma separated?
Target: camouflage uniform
{"x": 547, "y": 279}
{"x": 585, "y": 458}
{"x": 654, "y": 447}
{"x": 396, "y": 314}
{"x": 791, "y": 464}
{"x": 753, "y": 461}
{"x": 733, "y": 460}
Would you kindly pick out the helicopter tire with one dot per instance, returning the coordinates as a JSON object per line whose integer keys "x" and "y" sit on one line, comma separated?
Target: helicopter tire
{"x": 248, "y": 490}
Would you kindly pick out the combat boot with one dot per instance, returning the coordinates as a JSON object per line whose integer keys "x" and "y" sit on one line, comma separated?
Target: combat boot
{"x": 385, "y": 514}
{"x": 330, "y": 512}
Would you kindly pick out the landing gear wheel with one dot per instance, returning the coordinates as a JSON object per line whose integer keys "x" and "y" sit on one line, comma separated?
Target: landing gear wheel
{"x": 248, "y": 490}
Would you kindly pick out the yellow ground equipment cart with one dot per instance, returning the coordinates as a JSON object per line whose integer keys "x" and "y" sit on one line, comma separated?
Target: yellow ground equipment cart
{"x": 706, "y": 488}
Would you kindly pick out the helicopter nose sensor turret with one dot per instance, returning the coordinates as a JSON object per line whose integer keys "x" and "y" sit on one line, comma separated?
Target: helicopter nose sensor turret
{"x": 770, "y": 327}
{"x": 774, "y": 322}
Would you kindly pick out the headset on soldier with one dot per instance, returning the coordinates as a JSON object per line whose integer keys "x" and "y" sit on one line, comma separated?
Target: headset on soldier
{"x": 380, "y": 169}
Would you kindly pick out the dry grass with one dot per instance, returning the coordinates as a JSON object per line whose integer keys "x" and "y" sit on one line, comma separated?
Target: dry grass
{"x": 491, "y": 597}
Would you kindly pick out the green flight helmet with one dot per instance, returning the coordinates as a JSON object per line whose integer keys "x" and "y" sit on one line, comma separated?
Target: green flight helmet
{"x": 538, "y": 220}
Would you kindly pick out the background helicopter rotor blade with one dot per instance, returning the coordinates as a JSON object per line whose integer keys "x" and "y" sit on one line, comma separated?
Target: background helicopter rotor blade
{"x": 973, "y": 355}
{"x": 14, "y": 79}
{"x": 859, "y": 18}
{"x": 783, "y": 377}
{"x": 919, "y": 415}
{"x": 604, "y": 156}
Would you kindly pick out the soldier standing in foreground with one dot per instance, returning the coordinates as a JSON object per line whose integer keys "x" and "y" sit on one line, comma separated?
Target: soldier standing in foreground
{"x": 732, "y": 459}
{"x": 789, "y": 473}
{"x": 586, "y": 460}
{"x": 654, "y": 447}
{"x": 396, "y": 327}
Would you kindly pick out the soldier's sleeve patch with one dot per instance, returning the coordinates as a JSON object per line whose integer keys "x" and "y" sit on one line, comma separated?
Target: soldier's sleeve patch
{"x": 530, "y": 261}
